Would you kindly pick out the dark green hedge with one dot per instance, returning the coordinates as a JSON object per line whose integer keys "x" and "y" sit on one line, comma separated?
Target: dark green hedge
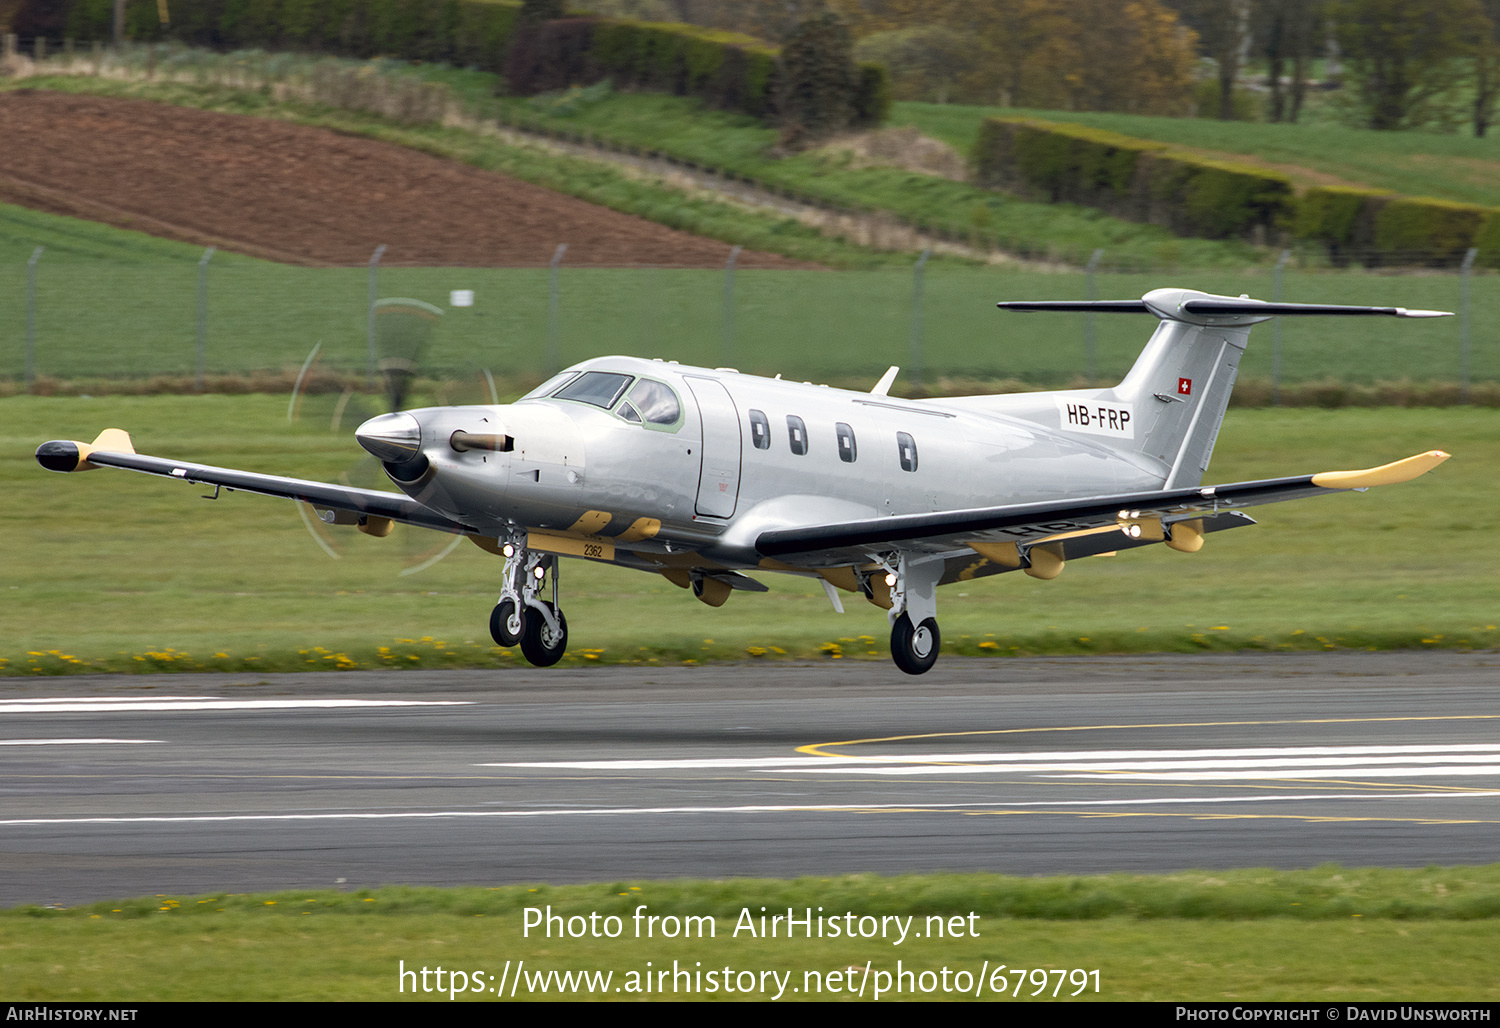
{"x": 464, "y": 32}
{"x": 1138, "y": 179}
{"x": 1375, "y": 227}
{"x": 725, "y": 69}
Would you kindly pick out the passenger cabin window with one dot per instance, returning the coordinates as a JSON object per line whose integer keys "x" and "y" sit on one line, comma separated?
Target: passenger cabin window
{"x": 760, "y": 430}
{"x": 797, "y": 432}
{"x": 906, "y": 446}
{"x": 600, "y": 388}
{"x": 656, "y": 402}
{"x": 846, "y": 443}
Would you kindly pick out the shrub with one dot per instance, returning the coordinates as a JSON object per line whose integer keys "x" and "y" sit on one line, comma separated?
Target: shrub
{"x": 1380, "y": 228}
{"x": 1138, "y": 179}
{"x": 818, "y": 77}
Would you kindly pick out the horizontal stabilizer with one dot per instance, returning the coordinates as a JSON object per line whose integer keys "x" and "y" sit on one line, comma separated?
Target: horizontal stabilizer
{"x": 1257, "y": 308}
{"x": 1173, "y": 304}
{"x": 1098, "y": 306}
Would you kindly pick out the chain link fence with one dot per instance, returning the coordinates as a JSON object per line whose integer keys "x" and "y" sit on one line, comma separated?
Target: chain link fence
{"x": 75, "y": 319}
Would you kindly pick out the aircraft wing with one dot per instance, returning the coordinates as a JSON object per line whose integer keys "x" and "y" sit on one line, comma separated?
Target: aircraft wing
{"x": 1139, "y": 516}
{"x": 113, "y": 449}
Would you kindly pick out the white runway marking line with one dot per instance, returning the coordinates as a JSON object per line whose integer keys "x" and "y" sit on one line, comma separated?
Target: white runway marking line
{"x": 1421, "y": 760}
{"x": 130, "y": 704}
{"x": 1039, "y": 806}
{"x": 73, "y": 742}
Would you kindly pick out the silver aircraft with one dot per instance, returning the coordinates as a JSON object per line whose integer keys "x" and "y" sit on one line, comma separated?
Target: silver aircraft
{"x": 702, "y": 475}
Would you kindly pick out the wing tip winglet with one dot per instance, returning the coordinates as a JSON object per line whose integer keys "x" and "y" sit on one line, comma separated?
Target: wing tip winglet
{"x": 1387, "y": 474}
{"x": 70, "y": 455}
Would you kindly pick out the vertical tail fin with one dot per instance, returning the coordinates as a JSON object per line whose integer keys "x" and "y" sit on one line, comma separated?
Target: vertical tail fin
{"x": 1168, "y": 409}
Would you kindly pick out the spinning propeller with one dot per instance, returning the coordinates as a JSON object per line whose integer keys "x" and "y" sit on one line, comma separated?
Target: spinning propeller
{"x": 402, "y": 329}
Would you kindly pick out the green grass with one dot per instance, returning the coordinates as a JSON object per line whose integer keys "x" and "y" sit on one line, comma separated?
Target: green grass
{"x": 1322, "y": 934}
{"x": 113, "y": 571}
{"x": 1453, "y": 166}
{"x": 136, "y": 319}
{"x": 71, "y": 240}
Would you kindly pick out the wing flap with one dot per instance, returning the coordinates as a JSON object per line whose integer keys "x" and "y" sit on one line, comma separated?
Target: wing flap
{"x": 1031, "y": 523}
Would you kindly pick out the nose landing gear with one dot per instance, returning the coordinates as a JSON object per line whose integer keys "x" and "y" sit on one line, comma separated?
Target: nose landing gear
{"x": 521, "y": 616}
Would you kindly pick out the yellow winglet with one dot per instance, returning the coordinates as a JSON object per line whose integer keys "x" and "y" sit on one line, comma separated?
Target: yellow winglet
{"x": 1386, "y": 474}
{"x": 111, "y": 440}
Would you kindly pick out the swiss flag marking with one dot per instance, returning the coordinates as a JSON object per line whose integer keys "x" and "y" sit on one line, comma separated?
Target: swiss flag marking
{"x": 1185, "y": 387}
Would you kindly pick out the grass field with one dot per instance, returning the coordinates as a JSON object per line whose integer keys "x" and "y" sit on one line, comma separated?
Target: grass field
{"x": 135, "y": 318}
{"x": 113, "y": 571}
{"x": 1323, "y": 934}
{"x": 1455, "y": 166}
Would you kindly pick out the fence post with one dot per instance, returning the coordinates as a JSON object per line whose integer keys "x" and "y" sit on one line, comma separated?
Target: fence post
{"x": 8, "y": 46}
{"x": 1090, "y": 369}
{"x": 370, "y": 312}
{"x": 916, "y": 318}
{"x": 554, "y": 355}
{"x": 728, "y": 356}
{"x": 36, "y": 255}
{"x": 1463, "y": 320}
{"x": 119, "y": 23}
{"x": 202, "y": 316}
{"x": 1276, "y": 280}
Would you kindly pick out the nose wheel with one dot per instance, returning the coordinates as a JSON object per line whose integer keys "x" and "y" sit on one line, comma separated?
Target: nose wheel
{"x": 505, "y": 623}
{"x": 522, "y": 616}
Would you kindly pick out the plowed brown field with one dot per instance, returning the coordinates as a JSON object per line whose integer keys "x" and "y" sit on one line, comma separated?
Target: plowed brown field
{"x": 306, "y": 195}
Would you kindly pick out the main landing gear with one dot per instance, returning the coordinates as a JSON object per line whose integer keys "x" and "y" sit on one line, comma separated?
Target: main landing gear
{"x": 522, "y": 616}
{"x": 915, "y": 639}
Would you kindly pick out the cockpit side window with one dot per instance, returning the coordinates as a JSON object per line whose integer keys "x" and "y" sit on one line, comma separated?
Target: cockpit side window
{"x": 656, "y": 402}
{"x": 600, "y": 388}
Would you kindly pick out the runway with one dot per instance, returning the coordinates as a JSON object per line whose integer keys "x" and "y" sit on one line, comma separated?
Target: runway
{"x": 115, "y": 786}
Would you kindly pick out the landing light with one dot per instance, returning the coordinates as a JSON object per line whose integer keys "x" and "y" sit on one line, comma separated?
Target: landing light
{"x": 508, "y": 550}
{"x": 890, "y": 580}
{"x": 540, "y": 573}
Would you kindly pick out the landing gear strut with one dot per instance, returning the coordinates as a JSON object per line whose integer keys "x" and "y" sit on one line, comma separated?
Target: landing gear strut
{"x": 915, "y": 639}
{"x": 521, "y": 616}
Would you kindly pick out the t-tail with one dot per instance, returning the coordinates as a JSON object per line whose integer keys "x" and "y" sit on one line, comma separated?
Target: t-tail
{"x": 1167, "y": 411}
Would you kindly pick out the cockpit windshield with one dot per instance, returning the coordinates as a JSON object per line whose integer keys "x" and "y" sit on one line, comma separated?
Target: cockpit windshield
{"x": 600, "y": 388}
{"x": 545, "y": 389}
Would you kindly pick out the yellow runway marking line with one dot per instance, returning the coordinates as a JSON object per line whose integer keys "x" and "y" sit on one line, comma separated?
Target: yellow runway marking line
{"x": 818, "y": 749}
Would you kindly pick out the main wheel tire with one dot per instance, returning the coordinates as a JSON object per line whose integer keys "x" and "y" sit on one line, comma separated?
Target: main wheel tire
{"x": 915, "y": 649}
{"x": 539, "y": 645}
{"x": 505, "y": 623}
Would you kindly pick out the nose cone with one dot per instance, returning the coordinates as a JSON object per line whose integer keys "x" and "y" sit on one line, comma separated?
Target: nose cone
{"x": 392, "y": 438}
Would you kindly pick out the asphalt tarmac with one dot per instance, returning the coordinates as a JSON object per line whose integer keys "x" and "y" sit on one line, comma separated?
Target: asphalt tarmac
{"x": 114, "y": 786}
